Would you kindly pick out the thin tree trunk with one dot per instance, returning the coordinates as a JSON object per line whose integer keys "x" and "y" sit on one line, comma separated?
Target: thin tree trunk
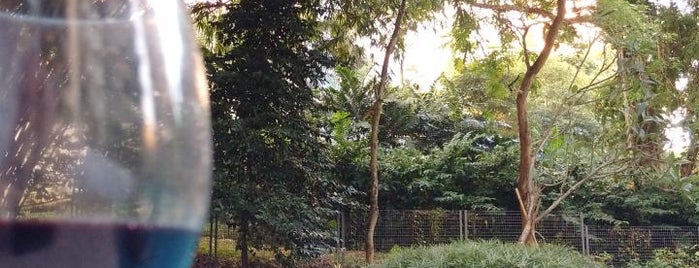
{"x": 687, "y": 169}
{"x": 526, "y": 185}
{"x": 625, "y": 96}
{"x": 243, "y": 245}
{"x": 649, "y": 146}
{"x": 376, "y": 110}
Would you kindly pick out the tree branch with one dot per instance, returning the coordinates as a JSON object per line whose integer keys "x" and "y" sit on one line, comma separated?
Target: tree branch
{"x": 197, "y": 7}
{"x": 561, "y": 107}
{"x": 594, "y": 174}
{"x": 525, "y": 86}
{"x": 390, "y": 48}
{"x": 530, "y": 10}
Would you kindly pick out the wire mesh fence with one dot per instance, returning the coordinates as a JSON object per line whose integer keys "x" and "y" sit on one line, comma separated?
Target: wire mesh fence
{"x": 403, "y": 228}
{"x": 616, "y": 244}
{"x": 421, "y": 227}
{"x": 628, "y": 243}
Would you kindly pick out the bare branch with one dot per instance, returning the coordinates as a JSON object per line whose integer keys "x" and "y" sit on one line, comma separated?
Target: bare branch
{"x": 552, "y": 184}
{"x": 530, "y": 10}
{"x": 560, "y": 109}
{"x": 389, "y": 50}
{"x": 593, "y": 174}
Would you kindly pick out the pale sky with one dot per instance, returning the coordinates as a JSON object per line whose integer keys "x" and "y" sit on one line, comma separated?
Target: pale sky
{"x": 427, "y": 53}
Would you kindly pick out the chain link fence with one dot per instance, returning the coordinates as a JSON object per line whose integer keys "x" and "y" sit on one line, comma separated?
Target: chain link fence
{"x": 617, "y": 245}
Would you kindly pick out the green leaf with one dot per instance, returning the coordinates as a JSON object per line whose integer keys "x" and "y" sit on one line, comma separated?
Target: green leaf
{"x": 555, "y": 144}
{"x": 574, "y": 89}
{"x": 497, "y": 90}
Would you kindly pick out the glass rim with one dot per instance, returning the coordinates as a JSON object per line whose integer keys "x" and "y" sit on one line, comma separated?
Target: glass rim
{"x": 63, "y": 21}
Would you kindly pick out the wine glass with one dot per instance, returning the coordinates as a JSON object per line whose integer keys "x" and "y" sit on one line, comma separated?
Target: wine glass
{"x": 105, "y": 143}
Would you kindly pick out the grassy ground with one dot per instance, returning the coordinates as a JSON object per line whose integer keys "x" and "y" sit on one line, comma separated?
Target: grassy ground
{"x": 456, "y": 255}
{"x": 346, "y": 259}
{"x": 227, "y": 256}
{"x": 226, "y": 250}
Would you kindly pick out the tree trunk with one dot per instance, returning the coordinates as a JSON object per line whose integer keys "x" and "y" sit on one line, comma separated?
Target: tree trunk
{"x": 687, "y": 169}
{"x": 625, "y": 98}
{"x": 650, "y": 146}
{"x": 243, "y": 245}
{"x": 374, "y": 185}
{"x": 376, "y": 110}
{"x": 691, "y": 118}
{"x": 527, "y": 187}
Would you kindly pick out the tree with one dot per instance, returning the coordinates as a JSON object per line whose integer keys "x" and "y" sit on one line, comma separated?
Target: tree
{"x": 269, "y": 159}
{"x": 375, "y": 112}
{"x": 27, "y": 126}
{"x": 634, "y": 83}
{"x": 536, "y": 148}
{"x": 527, "y": 187}
{"x": 370, "y": 18}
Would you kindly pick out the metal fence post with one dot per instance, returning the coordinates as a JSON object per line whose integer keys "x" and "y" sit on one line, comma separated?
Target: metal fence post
{"x": 341, "y": 235}
{"x": 465, "y": 224}
{"x": 338, "y": 231}
{"x": 587, "y": 239}
{"x": 211, "y": 233}
{"x": 461, "y": 225}
{"x": 582, "y": 233}
{"x": 215, "y": 237}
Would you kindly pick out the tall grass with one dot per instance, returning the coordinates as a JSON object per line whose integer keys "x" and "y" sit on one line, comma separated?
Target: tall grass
{"x": 485, "y": 254}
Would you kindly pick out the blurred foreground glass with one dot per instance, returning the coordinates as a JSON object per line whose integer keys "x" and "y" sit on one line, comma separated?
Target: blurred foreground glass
{"x": 105, "y": 143}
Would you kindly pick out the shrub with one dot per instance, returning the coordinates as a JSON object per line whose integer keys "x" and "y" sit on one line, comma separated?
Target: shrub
{"x": 681, "y": 257}
{"x": 485, "y": 254}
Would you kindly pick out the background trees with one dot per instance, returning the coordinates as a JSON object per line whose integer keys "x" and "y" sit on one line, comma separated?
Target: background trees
{"x": 294, "y": 93}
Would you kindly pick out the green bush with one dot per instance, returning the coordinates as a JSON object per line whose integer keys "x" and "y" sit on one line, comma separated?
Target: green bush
{"x": 681, "y": 257}
{"x": 485, "y": 254}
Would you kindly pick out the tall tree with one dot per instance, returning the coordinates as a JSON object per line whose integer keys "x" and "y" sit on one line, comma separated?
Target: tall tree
{"x": 375, "y": 112}
{"x": 527, "y": 187}
{"x": 268, "y": 155}
{"x": 384, "y": 23}
{"x": 514, "y": 21}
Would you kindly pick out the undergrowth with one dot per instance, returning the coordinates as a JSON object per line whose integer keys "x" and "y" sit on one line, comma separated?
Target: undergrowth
{"x": 485, "y": 254}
